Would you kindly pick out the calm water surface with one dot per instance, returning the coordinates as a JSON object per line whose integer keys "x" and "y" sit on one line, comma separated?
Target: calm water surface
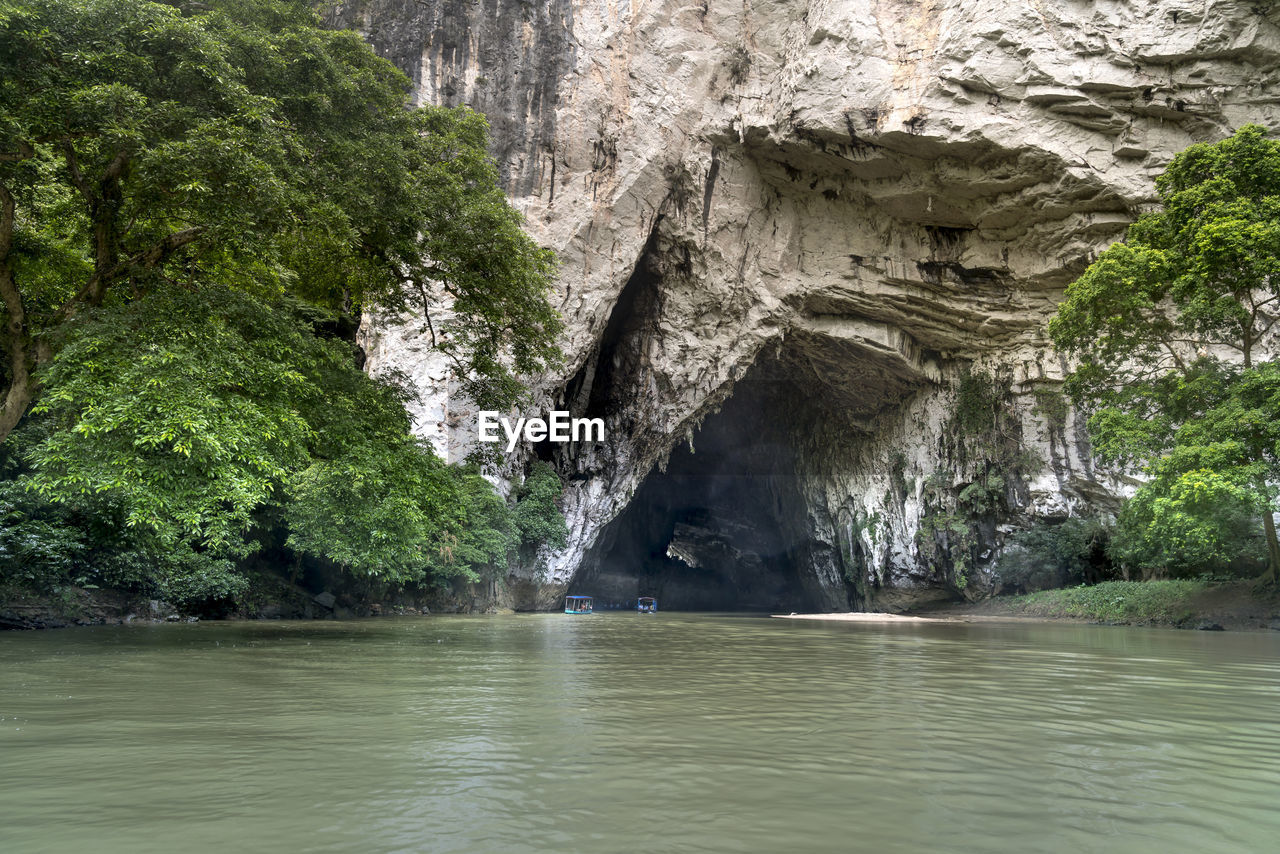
{"x": 626, "y": 733}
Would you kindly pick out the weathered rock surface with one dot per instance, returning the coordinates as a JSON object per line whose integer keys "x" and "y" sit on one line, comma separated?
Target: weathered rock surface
{"x": 830, "y": 212}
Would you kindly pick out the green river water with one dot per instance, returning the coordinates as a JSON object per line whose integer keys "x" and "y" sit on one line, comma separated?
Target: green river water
{"x": 628, "y": 733}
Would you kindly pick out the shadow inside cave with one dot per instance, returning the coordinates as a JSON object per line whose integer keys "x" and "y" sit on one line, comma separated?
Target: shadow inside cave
{"x": 723, "y": 527}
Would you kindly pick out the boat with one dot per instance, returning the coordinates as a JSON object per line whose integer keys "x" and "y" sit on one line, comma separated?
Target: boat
{"x": 647, "y": 605}
{"x": 577, "y": 604}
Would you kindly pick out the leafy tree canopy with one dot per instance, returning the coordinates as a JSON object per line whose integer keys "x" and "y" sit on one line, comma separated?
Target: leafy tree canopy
{"x": 246, "y": 146}
{"x": 194, "y": 200}
{"x": 1168, "y": 328}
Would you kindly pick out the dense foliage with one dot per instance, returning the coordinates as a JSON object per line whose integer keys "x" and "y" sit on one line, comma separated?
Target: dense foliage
{"x": 48, "y": 547}
{"x": 1074, "y": 551}
{"x": 536, "y": 518}
{"x": 1170, "y": 329}
{"x": 196, "y": 203}
{"x": 246, "y": 146}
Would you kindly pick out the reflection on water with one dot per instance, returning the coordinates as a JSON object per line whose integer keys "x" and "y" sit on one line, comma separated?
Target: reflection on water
{"x": 623, "y": 733}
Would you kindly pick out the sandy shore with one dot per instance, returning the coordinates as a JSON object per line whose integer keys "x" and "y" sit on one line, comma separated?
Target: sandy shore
{"x": 868, "y": 617}
{"x": 872, "y": 617}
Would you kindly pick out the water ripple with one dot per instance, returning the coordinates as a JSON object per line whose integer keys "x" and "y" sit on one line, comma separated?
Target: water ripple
{"x": 616, "y": 733}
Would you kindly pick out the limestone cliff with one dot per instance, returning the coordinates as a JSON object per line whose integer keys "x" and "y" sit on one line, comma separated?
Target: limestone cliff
{"x": 790, "y": 233}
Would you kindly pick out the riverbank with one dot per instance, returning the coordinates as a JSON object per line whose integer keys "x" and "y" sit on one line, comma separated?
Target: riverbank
{"x": 1176, "y": 604}
{"x": 866, "y": 617}
{"x": 270, "y": 597}
{"x": 1182, "y": 604}
{"x": 1246, "y": 605}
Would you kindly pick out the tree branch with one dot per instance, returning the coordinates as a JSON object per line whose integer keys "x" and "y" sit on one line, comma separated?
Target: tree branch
{"x": 1177, "y": 360}
{"x": 73, "y": 169}
{"x": 159, "y": 253}
{"x": 426, "y": 310}
{"x": 147, "y": 259}
{"x": 25, "y": 152}
{"x": 115, "y": 168}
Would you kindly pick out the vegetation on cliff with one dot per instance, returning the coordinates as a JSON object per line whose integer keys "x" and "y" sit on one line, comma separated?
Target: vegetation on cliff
{"x": 962, "y": 508}
{"x": 196, "y": 203}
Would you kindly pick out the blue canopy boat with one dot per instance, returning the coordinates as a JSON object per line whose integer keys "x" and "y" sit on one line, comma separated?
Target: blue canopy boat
{"x": 647, "y": 605}
{"x": 577, "y": 604}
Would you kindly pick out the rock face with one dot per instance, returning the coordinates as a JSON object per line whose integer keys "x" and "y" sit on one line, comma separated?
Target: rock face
{"x": 807, "y": 254}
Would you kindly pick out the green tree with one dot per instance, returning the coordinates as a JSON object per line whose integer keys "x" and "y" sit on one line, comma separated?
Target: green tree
{"x": 194, "y": 410}
{"x": 195, "y": 201}
{"x": 243, "y": 145}
{"x": 485, "y": 537}
{"x": 47, "y": 547}
{"x": 1167, "y": 328}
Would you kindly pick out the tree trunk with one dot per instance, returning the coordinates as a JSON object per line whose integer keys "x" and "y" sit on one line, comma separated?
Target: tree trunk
{"x": 17, "y": 400}
{"x": 1273, "y": 545}
{"x": 17, "y": 337}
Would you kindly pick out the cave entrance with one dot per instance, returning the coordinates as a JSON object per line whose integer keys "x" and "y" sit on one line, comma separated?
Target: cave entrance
{"x": 723, "y": 527}
{"x": 738, "y": 519}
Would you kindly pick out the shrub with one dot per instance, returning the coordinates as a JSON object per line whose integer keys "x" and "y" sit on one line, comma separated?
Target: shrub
{"x": 1115, "y": 601}
{"x": 1056, "y": 555}
{"x": 537, "y": 518}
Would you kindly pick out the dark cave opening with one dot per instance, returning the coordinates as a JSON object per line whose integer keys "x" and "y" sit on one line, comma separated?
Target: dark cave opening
{"x": 723, "y": 527}
{"x": 736, "y": 520}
